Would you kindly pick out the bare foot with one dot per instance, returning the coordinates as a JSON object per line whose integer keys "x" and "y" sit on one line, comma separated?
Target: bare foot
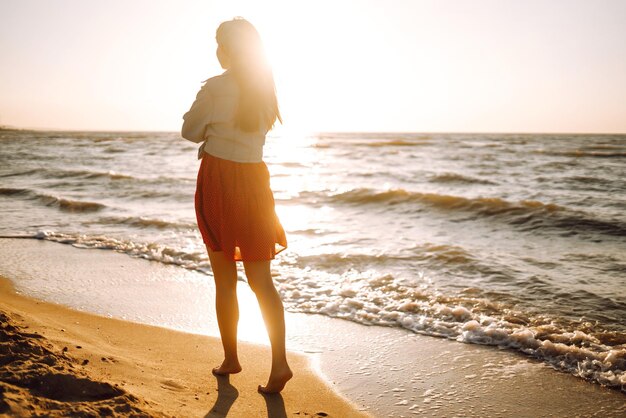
{"x": 227, "y": 368}
{"x": 277, "y": 381}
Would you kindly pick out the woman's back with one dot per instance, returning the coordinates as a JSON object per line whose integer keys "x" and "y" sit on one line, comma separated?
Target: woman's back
{"x": 212, "y": 119}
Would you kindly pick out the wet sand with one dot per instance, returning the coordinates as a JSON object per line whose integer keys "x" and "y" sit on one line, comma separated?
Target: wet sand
{"x": 56, "y": 361}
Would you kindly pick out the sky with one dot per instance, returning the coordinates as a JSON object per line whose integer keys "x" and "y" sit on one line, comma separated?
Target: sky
{"x": 341, "y": 65}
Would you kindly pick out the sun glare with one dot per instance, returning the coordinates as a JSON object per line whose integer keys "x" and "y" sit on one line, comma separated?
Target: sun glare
{"x": 339, "y": 66}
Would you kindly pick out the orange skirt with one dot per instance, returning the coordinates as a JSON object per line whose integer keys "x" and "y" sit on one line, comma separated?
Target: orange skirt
{"x": 235, "y": 210}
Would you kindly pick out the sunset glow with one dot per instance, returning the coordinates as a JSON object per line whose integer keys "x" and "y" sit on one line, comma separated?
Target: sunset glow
{"x": 339, "y": 66}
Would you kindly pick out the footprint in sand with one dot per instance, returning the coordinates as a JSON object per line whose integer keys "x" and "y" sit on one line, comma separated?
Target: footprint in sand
{"x": 172, "y": 385}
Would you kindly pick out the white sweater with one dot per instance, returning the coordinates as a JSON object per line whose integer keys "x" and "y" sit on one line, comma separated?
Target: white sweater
{"x": 211, "y": 121}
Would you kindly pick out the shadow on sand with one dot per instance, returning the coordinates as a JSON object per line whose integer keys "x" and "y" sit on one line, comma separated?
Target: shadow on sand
{"x": 275, "y": 405}
{"x": 227, "y": 394}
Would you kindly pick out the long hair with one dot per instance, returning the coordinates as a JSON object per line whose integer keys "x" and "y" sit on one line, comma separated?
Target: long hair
{"x": 258, "y": 106}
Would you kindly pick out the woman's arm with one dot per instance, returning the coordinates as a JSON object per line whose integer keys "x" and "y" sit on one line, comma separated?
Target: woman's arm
{"x": 196, "y": 120}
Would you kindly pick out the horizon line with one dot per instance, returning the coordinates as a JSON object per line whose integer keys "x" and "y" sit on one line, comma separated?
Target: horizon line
{"x": 15, "y": 128}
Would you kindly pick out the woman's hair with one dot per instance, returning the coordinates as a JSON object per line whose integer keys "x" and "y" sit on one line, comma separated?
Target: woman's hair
{"x": 258, "y": 106}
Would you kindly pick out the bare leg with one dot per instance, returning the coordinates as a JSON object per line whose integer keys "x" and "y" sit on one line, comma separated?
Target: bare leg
{"x": 227, "y": 308}
{"x": 260, "y": 280}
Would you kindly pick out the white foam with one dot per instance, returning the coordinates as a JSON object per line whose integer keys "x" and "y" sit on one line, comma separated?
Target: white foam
{"x": 383, "y": 301}
{"x": 370, "y": 298}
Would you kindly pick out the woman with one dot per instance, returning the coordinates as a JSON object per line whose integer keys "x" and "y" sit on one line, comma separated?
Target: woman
{"x": 234, "y": 204}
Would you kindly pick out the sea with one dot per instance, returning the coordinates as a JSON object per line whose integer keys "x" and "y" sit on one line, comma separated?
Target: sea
{"x": 516, "y": 241}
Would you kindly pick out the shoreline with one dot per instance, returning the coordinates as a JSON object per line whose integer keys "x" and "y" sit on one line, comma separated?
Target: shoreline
{"x": 99, "y": 365}
{"x": 385, "y": 371}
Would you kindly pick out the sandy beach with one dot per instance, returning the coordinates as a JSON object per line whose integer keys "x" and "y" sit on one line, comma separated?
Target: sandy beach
{"x": 58, "y": 362}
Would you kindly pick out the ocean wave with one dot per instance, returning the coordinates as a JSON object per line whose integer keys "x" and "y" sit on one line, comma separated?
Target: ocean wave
{"x": 106, "y": 175}
{"x": 85, "y": 174}
{"x": 64, "y": 204}
{"x": 308, "y": 231}
{"x": 59, "y": 173}
{"x": 582, "y": 154}
{"x": 373, "y": 140}
{"x": 434, "y": 254}
{"x": 584, "y": 180}
{"x": 19, "y": 173}
{"x": 290, "y": 164}
{"x": 143, "y": 222}
{"x": 391, "y": 143}
{"x": 149, "y": 251}
{"x": 602, "y": 262}
{"x": 88, "y": 174}
{"x": 602, "y": 147}
{"x": 578, "y": 222}
{"x": 482, "y": 205}
{"x": 526, "y": 214}
{"x": 359, "y": 136}
{"x": 457, "y": 178}
{"x": 114, "y": 150}
{"x": 445, "y": 260}
{"x": 582, "y": 349}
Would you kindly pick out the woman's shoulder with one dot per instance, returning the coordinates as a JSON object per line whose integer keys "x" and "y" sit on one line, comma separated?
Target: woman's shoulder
{"x": 222, "y": 84}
